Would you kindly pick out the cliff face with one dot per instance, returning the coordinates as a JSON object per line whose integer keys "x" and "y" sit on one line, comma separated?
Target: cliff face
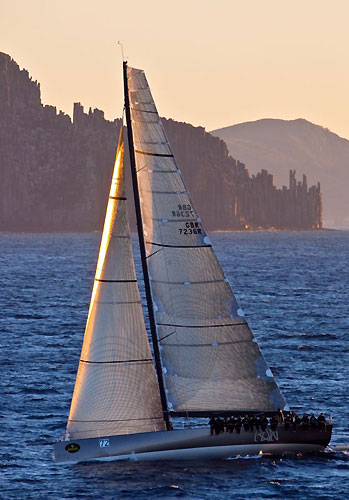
{"x": 55, "y": 173}
{"x": 49, "y": 165}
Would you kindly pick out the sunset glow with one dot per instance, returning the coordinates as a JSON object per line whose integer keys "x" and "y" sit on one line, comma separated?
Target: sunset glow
{"x": 108, "y": 224}
{"x": 212, "y": 64}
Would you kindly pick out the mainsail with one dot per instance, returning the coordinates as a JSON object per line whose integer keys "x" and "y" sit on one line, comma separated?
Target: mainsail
{"x": 210, "y": 358}
{"x": 116, "y": 390}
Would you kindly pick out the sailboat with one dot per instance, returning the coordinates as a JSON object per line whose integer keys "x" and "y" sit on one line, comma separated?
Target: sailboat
{"x": 203, "y": 361}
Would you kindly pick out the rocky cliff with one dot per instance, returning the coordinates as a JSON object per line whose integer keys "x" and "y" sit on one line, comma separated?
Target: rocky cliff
{"x": 55, "y": 172}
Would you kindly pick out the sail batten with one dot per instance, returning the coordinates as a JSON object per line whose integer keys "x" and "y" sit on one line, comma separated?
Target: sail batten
{"x": 116, "y": 390}
{"x": 153, "y": 243}
{"x": 201, "y": 326}
{"x": 210, "y": 358}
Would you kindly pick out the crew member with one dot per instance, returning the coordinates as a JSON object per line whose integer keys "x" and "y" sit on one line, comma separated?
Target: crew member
{"x": 219, "y": 426}
{"x": 322, "y": 422}
{"x": 238, "y": 424}
{"x": 230, "y": 425}
{"x": 273, "y": 423}
{"x": 288, "y": 421}
{"x": 258, "y": 422}
{"x": 305, "y": 421}
{"x": 212, "y": 423}
{"x": 313, "y": 421}
{"x": 252, "y": 422}
{"x": 245, "y": 423}
{"x": 264, "y": 423}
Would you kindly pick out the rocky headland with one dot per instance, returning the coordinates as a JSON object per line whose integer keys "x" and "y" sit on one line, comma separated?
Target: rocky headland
{"x": 56, "y": 171}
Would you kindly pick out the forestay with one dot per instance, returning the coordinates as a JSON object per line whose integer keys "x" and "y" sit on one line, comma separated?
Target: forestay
{"x": 116, "y": 390}
{"x": 210, "y": 358}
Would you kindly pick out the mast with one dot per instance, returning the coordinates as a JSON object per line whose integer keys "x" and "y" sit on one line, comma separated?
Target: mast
{"x": 150, "y": 307}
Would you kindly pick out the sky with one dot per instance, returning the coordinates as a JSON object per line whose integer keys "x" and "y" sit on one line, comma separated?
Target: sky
{"x": 212, "y": 63}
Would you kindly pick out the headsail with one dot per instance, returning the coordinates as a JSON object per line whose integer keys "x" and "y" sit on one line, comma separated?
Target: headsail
{"x": 116, "y": 390}
{"x": 210, "y": 358}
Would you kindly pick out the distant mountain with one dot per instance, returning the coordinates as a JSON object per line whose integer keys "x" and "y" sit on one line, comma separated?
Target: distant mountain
{"x": 281, "y": 145}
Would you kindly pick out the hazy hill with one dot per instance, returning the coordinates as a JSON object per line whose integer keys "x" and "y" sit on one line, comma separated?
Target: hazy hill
{"x": 281, "y": 145}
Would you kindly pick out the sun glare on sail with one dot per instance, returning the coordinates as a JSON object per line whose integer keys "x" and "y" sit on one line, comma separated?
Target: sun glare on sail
{"x": 108, "y": 226}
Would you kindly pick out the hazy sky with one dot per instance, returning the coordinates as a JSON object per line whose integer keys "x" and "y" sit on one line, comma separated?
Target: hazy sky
{"x": 209, "y": 62}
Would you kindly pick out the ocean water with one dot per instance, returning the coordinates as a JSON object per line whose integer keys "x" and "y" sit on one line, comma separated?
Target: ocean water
{"x": 293, "y": 288}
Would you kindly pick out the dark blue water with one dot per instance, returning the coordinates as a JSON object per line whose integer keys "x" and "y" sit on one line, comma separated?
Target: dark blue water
{"x": 293, "y": 288}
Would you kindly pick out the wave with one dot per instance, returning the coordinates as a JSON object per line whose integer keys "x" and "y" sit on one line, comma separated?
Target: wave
{"x": 309, "y": 335}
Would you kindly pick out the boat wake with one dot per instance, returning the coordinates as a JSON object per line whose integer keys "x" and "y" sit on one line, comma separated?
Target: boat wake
{"x": 342, "y": 448}
{"x": 246, "y": 457}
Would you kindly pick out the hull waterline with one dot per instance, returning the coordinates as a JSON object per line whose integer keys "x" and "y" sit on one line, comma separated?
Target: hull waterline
{"x": 191, "y": 444}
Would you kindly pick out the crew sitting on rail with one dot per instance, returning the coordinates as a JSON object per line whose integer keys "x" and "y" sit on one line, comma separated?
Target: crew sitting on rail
{"x": 251, "y": 422}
